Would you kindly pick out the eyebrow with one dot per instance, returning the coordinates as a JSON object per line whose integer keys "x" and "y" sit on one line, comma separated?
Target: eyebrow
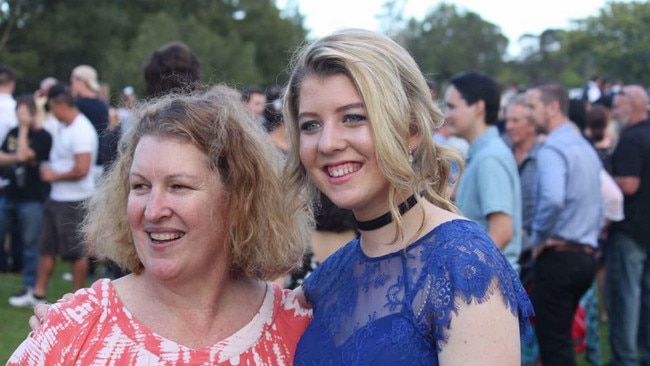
{"x": 168, "y": 177}
{"x": 337, "y": 110}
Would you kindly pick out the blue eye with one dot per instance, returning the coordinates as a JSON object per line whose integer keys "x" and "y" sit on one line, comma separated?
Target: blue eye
{"x": 138, "y": 186}
{"x": 353, "y": 118}
{"x": 309, "y": 126}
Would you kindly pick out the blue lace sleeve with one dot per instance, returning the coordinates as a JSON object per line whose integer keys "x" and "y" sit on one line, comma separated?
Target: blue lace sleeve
{"x": 464, "y": 264}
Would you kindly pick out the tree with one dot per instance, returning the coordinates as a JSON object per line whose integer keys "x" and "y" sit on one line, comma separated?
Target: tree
{"x": 616, "y": 42}
{"x": 448, "y": 41}
{"x": 238, "y": 41}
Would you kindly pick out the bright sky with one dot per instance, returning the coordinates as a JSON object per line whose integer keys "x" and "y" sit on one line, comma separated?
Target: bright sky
{"x": 515, "y": 18}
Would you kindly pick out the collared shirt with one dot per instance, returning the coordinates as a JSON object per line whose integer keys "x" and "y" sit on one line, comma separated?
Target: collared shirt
{"x": 528, "y": 178}
{"x": 490, "y": 185}
{"x": 569, "y": 204}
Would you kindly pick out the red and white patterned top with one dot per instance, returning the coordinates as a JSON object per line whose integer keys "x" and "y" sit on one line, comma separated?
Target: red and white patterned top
{"x": 95, "y": 328}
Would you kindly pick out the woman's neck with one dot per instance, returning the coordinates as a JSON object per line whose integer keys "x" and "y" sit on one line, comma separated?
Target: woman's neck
{"x": 417, "y": 222}
{"x": 217, "y": 311}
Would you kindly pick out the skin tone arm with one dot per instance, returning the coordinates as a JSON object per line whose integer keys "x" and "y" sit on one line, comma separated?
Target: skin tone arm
{"x": 80, "y": 170}
{"x": 7, "y": 159}
{"x": 500, "y": 228}
{"x": 629, "y": 185}
{"x": 24, "y": 152}
{"x": 482, "y": 334}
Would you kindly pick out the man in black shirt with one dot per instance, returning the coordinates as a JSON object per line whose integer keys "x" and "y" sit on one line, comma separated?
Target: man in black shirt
{"x": 628, "y": 253}
{"x": 25, "y": 147}
{"x": 85, "y": 89}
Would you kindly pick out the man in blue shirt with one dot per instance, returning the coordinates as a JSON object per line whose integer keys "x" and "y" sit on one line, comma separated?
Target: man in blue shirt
{"x": 566, "y": 222}
{"x": 521, "y": 136}
{"x": 489, "y": 192}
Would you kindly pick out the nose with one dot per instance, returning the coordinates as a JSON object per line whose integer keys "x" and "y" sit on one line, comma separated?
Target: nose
{"x": 331, "y": 138}
{"x": 157, "y": 205}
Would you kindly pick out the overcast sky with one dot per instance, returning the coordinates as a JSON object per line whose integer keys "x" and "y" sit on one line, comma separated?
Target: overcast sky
{"x": 515, "y": 18}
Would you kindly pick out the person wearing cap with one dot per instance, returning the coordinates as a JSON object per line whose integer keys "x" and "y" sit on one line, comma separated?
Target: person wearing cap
{"x": 85, "y": 89}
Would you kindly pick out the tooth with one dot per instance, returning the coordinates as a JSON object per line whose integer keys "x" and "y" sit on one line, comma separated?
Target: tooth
{"x": 165, "y": 236}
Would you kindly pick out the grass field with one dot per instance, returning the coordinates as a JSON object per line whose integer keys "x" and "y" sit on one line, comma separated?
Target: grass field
{"x": 14, "y": 327}
{"x": 13, "y": 321}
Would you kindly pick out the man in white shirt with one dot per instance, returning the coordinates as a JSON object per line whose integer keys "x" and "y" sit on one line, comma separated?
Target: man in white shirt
{"x": 8, "y": 118}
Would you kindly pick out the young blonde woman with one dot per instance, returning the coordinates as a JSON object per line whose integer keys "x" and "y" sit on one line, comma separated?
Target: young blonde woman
{"x": 422, "y": 285}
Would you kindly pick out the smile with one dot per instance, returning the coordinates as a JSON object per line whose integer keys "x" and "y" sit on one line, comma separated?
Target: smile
{"x": 165, "y": 236}
{"x": 341, "y": 170}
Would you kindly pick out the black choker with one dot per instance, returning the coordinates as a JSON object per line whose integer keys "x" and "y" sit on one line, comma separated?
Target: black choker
{"x": 386, "y": 218}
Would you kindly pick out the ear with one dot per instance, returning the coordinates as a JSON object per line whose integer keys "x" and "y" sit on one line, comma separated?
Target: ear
{"x": 479, "y": 107}
{"x": 414, "y": 140}
{"x": 555, "y": 108}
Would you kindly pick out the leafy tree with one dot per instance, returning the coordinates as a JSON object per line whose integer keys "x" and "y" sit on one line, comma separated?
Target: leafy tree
{"x": 448, "y": 41}
{"x": 616, "y": 42}
{"x": 223, "y": 59}
{"x": 238, "y": 41}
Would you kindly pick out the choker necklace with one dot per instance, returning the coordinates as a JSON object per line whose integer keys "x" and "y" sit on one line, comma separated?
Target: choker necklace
{"x": 386, "y": 218}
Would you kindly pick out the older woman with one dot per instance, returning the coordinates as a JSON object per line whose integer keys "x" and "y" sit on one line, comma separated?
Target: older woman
{"x": 195, "y": 210}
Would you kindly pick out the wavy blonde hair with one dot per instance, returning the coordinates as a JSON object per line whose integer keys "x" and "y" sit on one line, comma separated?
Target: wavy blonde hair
{"x": 399, "y": 105}
{"x": 268, "y": 223}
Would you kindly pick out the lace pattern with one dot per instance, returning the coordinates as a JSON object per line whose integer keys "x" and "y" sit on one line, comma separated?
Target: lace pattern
{"x": 398, "y": 307}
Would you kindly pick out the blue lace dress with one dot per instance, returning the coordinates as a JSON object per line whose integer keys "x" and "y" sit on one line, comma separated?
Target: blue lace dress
{"x": 397, "y": 309}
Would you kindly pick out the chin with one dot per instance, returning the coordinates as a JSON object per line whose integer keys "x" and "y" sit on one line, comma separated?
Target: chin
{"x": 162, "y": 270}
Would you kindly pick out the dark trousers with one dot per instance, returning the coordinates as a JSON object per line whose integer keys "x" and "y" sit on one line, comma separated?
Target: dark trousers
{"x": 560, "y": 280}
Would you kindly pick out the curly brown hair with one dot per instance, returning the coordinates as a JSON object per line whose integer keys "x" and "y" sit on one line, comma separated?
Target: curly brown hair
{"x": 268, "y": 222}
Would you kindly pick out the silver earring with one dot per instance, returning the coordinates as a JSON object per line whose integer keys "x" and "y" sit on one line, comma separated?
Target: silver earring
{"x": 411, "y": 157}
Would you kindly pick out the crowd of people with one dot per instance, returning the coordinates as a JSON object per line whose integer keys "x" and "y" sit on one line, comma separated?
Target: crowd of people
{"x": 334, "y": 220}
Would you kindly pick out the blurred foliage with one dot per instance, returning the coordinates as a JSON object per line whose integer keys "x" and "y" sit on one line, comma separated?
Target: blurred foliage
{"x": 244, "y": 42}
{"x": 238, "y": 41}
{"x": 613, "y": 44}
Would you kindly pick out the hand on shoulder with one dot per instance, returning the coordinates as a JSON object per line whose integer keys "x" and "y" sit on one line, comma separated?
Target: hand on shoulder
{"x": 40, "y": 312}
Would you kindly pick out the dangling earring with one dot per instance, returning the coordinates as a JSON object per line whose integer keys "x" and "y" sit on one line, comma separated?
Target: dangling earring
{"x": 411, "y": 157}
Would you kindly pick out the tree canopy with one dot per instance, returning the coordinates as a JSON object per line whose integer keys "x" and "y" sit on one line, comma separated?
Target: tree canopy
{"x": 613, "y": 44}
{"x": 242, "y": 42}
{"x": 238, "y": 41}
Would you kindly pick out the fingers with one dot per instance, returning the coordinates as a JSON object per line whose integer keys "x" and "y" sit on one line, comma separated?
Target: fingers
{"x": 23, "y": 115}
{"x": 41, "y": 310}
{"x": 34, "y": 322}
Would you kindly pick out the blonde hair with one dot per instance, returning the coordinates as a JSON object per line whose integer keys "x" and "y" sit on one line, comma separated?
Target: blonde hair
{"x": 399, "y": 105}
{"x": 267, "y": 223}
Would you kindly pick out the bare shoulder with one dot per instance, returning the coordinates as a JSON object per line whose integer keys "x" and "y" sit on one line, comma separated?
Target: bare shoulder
{"x": 485, "y": 333}
{"x": 437, "y": 216}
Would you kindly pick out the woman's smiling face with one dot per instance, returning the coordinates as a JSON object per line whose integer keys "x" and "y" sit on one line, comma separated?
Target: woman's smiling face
{"x": 337, "y": 147}
{"x": 175, "y": 209}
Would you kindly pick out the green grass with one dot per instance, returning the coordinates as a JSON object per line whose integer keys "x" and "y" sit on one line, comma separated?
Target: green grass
{"x": 14, "y": 325}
